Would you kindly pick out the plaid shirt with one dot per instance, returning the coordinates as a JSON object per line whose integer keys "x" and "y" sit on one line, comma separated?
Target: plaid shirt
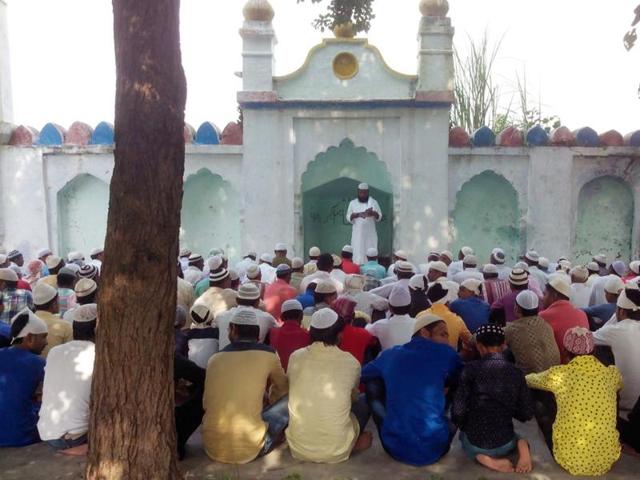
{"x": 66, "y": 300}
{"x": 14, "y": 301}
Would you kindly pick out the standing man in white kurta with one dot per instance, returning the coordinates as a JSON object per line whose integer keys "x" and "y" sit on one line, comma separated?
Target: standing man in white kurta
{"x": 363, "y": 213}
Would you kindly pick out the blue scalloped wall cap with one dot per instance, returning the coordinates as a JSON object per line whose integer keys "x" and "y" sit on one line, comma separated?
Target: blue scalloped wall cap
{"x": 537, "y": 136}
{"x": 51, "y": 134}
{"x": 103, "y": 134}
{"x": 587, "y": 137}
{"x": 634, "y": 139}
{"x": 483, "y": 137}
{"x": 208, "y": 134}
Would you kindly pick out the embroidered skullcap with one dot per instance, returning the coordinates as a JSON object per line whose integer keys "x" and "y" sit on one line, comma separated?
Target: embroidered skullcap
{"x": 13, "y": 254}
{"x": 85, "y": 313}
{"x": 283, "y": 270}
{"x": 363, "y": 186}
{"x": 527, "y": 300}
{"x": 578, "y": 340}
{"x": 347, "y": 249}
{"x": 518, "y": 277}
{"x": 291, "y": 305}
{"x": 532, "y": 256}
{"x": 88, "y": 271}
{"x": 297, "y": 262}
{"x": 85, "y": 287}
{"x": 600, "y": 259}
{"x": 194, "y": 258}
{"x": 345, "y": 308}
{"x": 219, "y": 275}
{"x": 580, "y": 273}
{"x": 498, "y": 255}
{"x": 245, "y": 316}
{"x": 372, "y": 253}
{"x": 324, "y": 318}
{"x": 472, "y": 284}
{"x": 248, "y": 291}
{"x": 34, "y": 326}
{"x": 399, "y": 297}
{"x": 487, "y": 330}
{"x": 214, "y": 263}
{"x": 404, "y": 267}
{"x": 337, "y": 261}
{"x": 314, "y": 252}
{"x": 43, "y": 294}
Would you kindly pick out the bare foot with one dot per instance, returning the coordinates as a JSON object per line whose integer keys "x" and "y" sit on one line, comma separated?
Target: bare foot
{"x": 363, "y": 442}
{"x": 524, "y": 465}
{"x": 503, "y": 465}
{"x": 79, "y": 451}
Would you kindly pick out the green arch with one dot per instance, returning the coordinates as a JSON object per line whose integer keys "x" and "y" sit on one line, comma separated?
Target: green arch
{"x": 83, "y": 204}
{"x": 486, "y": 216}
{"x": 210, "y": 216}
{"x": 330, "y": 183}
{"x": 605, "y": 220}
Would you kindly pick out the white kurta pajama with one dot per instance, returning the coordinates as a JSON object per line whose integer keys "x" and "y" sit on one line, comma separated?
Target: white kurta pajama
{"x": 363, "y": 235}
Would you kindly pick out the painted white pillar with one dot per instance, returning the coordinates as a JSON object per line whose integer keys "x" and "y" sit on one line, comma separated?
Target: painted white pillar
{"x": 258, "y": 41}
{"x": 6, "y": 105}
{"x": 435, "y": 55}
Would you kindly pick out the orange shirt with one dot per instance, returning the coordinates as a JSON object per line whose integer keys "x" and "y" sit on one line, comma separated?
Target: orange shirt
{"x": 276, "y": 294}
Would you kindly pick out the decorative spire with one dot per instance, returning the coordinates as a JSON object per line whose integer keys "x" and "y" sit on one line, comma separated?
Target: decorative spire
{"x": 258, "y": 11}
{"x": 434, "y": 8}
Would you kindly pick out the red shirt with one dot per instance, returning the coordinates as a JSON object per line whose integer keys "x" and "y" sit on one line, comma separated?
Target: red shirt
{"x": 349, "y": 267}
{"x": 355, "y": 341}
{"x": 23, "y": 285}
{"x": 562, "y": 316}
{"x": 287, "y": 339}
{"x": 276, "y": 294}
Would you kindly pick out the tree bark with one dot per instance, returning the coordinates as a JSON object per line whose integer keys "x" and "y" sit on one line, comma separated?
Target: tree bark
{"x": 131, "y": 431}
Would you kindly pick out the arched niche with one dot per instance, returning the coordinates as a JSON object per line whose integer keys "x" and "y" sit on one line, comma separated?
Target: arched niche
{"x": 605, "y": 220}
{"x": 83, "y": 204}
{"x": 210, "y": 214}
{"x": 486, "y": 215}
{"x": 330, "y": 183}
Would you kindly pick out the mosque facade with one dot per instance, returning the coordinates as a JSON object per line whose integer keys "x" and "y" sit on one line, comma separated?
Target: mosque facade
{"x": 308, "y": 138}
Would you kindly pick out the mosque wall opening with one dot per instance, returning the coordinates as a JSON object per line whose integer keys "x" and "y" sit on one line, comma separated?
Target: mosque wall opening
{"x": 486, "y": 215}
{"x": 83, "y": 205}
{"x": 605, "y": 220}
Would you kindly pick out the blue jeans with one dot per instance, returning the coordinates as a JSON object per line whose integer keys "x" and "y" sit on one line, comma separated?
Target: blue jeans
{"x": 277, "y": 418}
{"x": 63, "y": 444}
{"x": 499, "y": 452}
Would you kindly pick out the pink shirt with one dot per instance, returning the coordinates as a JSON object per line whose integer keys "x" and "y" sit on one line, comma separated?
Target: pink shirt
{"x": 276, "y": 294}
{"x": 562, "y": 316}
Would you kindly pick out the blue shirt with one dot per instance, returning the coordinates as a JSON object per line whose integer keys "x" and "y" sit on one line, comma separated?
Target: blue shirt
{"x": 21, "y": 372}
{"x": 601, "y": 312}
{"x": 306, "y": 299}
{"x": 373, "y": 269}
{"x": 474, "y": 312}
{"x": 415, "y": 429}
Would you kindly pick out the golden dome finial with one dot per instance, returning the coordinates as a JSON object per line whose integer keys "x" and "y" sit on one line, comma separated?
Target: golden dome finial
{"x": 258, "y": 11}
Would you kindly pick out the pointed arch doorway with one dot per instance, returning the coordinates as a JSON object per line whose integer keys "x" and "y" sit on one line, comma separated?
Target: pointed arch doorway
{"x": 330, "y": 183}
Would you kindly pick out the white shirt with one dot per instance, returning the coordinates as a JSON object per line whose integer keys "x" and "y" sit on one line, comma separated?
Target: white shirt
{"x": 338, "y": 275}
{"x": 580, "y": 295}
{"x": 363, "y": 235}
{"x": 396, "y": 330}
{"x": 623, "y": 337}
{"x": 450, "y": 286}
{"x": 241, "y": 268}
{"x": 193, "y": 275}
{"x": 466, "y": 274}
{"x": 385, "y": 290}
{"x": 265, "y": 321}
{"x": 598, "y": 296}
{"x": 66, "y": 390}
{"x": 454, "y": 268}
{"x": 503, "y": 272}
{"x": 367, "y": 302}
{"x": 201, "y": 350}
{"x": 268, "y": 273}
{"x": 540, "y": 276}
{"x": 320, "y": 275}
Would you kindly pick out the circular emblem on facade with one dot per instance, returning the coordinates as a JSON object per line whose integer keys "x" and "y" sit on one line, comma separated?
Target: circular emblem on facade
{"x": 345, "y": 66}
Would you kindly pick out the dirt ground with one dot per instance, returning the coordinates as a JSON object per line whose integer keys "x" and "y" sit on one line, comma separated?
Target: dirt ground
{"x": 39, "y": 462}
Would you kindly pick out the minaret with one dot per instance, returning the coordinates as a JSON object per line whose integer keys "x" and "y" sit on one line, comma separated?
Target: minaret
{"x": 258, "y": 41}
{"x": 6, "y": 106}
{"x": 435, "y": 57}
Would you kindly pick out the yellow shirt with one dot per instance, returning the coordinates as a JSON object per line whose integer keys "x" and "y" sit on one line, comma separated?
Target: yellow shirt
{"x": 60, "y": 331}
{"x": 218, "y": 300}
{"x": 323, "y": 380}
{"x": 585, "y": 438}
{"x": 455, "y": 325}
{"x": 232, "y": 428}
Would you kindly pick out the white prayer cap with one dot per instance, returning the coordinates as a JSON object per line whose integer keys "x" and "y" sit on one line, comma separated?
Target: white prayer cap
{"x": 635, "y": 267}
{"x": 248, "y": 291}
{"x": 337, "y": 261}
{"x": 619, "y": 267}
{"x": 399, "y": 297}
{"x": 593, "y": 267}
{"x": 472, "y": 284}
{"x": 291, "y": 305}
{"x": 403, "y": 267}
{"x": 424, "y": 320}
{"x": 280, "y": 247}
{"x": 543, "y": 262}
{"x": 297, "y": 262}
{"x": 417, "y": 282}
{"x": 214, "y": 263}
{"x": 372, "y": 253}
{"x": 219, "y": 275}
{"x": 8, "y": 275}
{"x": 497, "y": 251}
{"x": 53, "y": 261}
{"x": 253, "y": 271}
{"x": 75, "y": 256}
{"x": 200, "y": 313}
{"x": 96, "y": 251}
{"x": 439, "y": 267}
{"x": 314, "y": 252}
{"x": 194, "y": 258}
{"x": 3, "y": 258}
{"x": 518, "y": 276}
{"x": 625, "y": 302}
{"x": 499, "y": 256}
{"x": 16, "y": 269}
{"x": 13, "y": 254}
{"x": 43, "y": 294}
{"x": 253, "y": 255}
{"x": 613, "y": 285}
{"x": 325, "y": 287}
{"x": 70, "y": 269}
{"x": 522, "y": 265}
{"x": 532, "y": 256}
{"x": 85, "y": 287}
{"x": 580, "y": 273}
{"x": 35, "y": 325}
{"x": 401, "y": 254}
{"x": 266, "y": 257}
{"x": 354, "y": 283}
{"x": 363, "y": 186}
{"x": 283, "y": 269}
{"x": 470, "y": 260}
{"x": 347, "y": 248}
{"x": 600, "y": 258}
{"x": 85, "y": 313}
{"x": 490, "y": 268}
{"x": 527, "y": 300}
{"x": 185, "y": 252}
{"x": 44, "y": 252}
{"x": 324, "y": 318}
{"x": 233, "y": 275}
{"x": 447, "y": 254}
{"x": 245, "y": 316}
{"x": 467, "y": 251}
{"x": 565, "y": 265}
{"x": 560, "y": 285}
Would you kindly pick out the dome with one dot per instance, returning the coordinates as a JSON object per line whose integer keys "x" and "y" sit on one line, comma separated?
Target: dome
{"x": 258, "y": 11}
{"x": 434, "y": 8}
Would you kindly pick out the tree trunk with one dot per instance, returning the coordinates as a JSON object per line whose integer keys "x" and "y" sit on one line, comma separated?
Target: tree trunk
{"x": 131, "y": 431}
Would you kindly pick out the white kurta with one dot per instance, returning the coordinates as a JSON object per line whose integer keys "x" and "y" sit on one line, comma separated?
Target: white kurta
{"x": 363, "y": 235}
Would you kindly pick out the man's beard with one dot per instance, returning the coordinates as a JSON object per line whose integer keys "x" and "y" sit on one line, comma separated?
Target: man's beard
{"x": 365, "y": 200}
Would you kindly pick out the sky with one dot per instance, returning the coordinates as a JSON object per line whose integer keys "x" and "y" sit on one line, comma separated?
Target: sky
{"x": 63, "y": 68}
